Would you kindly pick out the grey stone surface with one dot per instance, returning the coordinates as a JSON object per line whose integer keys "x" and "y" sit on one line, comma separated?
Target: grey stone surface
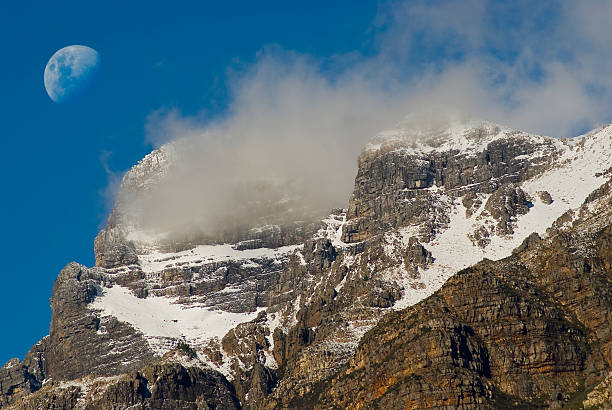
{"x": 523, "y": 329}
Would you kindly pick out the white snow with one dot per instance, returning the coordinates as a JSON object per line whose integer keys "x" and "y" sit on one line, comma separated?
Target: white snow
{"x": 157, "y": 261}
{"x": 340, "y": 285}
{"x": 569, "y": 184}
{"x": 86, "y": 383}
{"x": 332, "y": 229}
{"x": 301, "y": 257}
{"x": 161, "y": 318}
{"x": 466, "y": 137}
{"x": 273, "y": 321}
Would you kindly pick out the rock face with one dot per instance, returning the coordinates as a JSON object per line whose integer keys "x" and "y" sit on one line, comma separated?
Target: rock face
{"x": 113, "y": 250}
{"x": 530, "y": 329}
{"x": 162, "y": 386}
{"x": 472, "y": 268}
{"x": 505, "y": 205}
{"x": 16, "y": 380}
{"x": 393, "y": 187}
{"x": 77, "y": 346}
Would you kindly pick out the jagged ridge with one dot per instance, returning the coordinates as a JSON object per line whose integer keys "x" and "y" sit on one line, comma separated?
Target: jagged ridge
{"x": 419, "y": 213}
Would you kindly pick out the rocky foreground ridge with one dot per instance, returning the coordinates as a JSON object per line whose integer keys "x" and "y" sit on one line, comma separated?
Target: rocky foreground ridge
{"x": 471, "y": 268}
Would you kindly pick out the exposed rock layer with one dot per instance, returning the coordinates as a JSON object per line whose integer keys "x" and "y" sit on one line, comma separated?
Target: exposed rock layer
{"x": 530, "y": 329}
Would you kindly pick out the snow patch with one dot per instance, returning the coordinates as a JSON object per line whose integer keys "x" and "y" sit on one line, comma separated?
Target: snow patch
{"x": 158, "y": 261}
{"x": 579, "y": 170}
{"x": 332, "y": 229}
{"x": 464, "y": 137}
{"x": 162, "y": 319}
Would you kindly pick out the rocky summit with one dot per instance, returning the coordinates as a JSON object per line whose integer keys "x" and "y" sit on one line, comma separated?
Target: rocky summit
{"x": 471, "y": 267}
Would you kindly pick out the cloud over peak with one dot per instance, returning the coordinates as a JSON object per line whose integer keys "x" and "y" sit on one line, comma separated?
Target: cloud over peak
{"x": 300, "y": 119}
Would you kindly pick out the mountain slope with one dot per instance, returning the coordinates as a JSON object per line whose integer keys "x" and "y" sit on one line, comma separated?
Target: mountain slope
{"x": 532, "y": 329}
{"x": 279, "y": 308}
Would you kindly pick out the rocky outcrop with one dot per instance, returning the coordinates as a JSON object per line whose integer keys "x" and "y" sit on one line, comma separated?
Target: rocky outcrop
{"x": 601, "y": 395}
{"x": 532, "y": 330}
{"x": 498, "y": 338}
{"x": 16, "y": 381}
{"x": 160, "y": 386}
{"x": 505, "y": 205}
{"x": 396, "y": 183}
{"x": 545, "y": 197}
{"x": 77, "y": 345}
{"x": 272, "y": 314}
{"x": 275, "y": 215}
{"x": 113, "y": 250}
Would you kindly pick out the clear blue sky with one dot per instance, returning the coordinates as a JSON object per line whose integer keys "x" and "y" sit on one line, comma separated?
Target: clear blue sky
{"x": 544, "y": 67}
{"x": 154, "y": 55}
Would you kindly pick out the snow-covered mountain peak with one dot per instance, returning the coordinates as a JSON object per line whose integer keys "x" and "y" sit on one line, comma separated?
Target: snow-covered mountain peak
{"x": 458, "y": 135}
{"x": 428, "y": 201}
{"x": 295, "y": 300}
{"x": 150, "y": 170}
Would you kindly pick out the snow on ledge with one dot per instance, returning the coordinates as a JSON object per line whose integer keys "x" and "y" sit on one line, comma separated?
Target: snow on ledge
{"x": 157, "y": 261}
{"x": 161, "y": 318}
{"x": 577, "y": 173}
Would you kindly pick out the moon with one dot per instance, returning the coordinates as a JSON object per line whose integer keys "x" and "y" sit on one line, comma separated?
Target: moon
{"x": 70, "y": 72}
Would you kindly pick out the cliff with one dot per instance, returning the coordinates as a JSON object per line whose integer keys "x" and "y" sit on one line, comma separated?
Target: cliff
{"x": 471, "y": 268}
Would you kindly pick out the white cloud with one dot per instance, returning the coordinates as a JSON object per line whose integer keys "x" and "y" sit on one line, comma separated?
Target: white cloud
{"x": 541, "y": 68}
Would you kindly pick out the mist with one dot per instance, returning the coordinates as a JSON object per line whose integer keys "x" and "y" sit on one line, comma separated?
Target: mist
{"x": 286, "y": 148}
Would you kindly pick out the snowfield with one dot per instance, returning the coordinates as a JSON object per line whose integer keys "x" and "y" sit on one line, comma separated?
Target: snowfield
{"x": 163, "y": 318}
{"x": 157, "y": 261}
{"x": 580, "y": 168}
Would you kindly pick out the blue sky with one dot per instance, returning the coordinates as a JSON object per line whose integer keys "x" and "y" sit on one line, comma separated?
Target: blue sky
{"x": 154, "y": 56}
{"x": 169, "y": 69}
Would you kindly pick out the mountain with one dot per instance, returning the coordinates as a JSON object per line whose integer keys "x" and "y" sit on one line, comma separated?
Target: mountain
{"x": 471, "y": 267}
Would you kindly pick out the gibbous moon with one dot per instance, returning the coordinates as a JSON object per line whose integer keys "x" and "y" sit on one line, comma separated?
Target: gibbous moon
{"x": 70, "y": 72}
